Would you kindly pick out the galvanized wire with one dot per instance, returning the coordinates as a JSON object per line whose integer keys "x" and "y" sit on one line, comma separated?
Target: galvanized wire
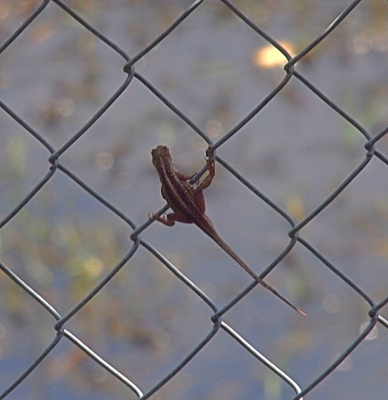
{"x": 295, "y": 236}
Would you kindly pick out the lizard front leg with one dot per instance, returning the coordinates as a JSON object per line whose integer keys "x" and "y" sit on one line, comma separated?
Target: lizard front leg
{"x": 211, "y": 168}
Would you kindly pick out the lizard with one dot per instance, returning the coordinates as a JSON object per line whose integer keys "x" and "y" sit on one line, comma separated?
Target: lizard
{"x": 188, "y": 205}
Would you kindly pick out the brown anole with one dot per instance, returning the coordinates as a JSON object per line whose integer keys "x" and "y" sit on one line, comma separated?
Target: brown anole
{"x": 188, "y": 204}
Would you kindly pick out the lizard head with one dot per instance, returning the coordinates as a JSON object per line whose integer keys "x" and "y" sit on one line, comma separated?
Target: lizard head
{"x": 160, "y": 152}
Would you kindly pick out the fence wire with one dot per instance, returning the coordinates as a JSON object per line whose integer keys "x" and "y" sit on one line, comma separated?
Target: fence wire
{"x": 56, "y": 166}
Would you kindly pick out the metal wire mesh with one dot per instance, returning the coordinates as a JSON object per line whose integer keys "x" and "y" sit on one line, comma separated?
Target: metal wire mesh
{"x": 56, "y": 166}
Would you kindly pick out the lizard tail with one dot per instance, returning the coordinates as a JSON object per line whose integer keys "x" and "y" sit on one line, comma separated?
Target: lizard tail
{"x": 239, "y": 261}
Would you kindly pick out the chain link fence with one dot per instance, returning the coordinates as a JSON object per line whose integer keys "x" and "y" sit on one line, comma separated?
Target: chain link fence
{"x": 56, "y": 164}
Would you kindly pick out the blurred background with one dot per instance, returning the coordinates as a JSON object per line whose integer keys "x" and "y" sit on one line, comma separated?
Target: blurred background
{"x": 297, "y": 151}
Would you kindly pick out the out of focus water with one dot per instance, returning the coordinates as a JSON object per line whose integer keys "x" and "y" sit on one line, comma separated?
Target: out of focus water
{"x": 297, "y": 151}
